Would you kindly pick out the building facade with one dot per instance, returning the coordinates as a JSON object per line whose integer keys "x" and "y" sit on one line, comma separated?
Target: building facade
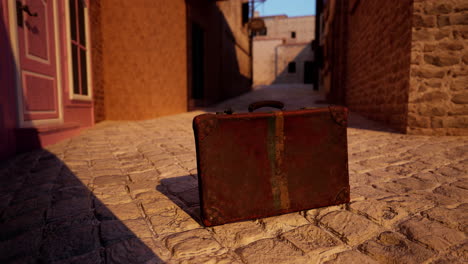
{"x": 46, "y": 75}
{"x": 69, "y": 64}
{"x": 403, "y": 63}
{"x": 282, "y": 51}
{"x": 187, "y": 54}
{"x": 218, "y": 30}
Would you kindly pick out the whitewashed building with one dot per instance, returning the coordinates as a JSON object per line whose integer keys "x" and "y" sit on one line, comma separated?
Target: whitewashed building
{"x": 282, "y": 53}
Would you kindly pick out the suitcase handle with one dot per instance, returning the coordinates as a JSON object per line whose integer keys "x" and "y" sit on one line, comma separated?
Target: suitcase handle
{"x": 260, "y": 104}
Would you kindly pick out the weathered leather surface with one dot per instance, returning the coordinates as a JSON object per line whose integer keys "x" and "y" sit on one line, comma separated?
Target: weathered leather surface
{"x": 255, "y": 165}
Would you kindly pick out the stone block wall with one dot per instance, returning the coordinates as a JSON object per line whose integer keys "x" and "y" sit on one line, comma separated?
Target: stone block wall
{"x": 438, "y": 95}
{"x": 378, "y": 59}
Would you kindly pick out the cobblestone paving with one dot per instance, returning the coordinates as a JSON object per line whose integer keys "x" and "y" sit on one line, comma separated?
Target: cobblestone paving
{"x": 126, "y": 192}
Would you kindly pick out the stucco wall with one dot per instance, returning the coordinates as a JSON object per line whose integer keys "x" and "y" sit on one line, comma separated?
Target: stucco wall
{"x": 236, "y": 59}
{"x": 227, "y": 58}
{"x": 271, "y": 59}
{"x": 378, "y": 60}
{"x": 273, "y": 52}
{"x": 264, "y": 63}
{"x": 281, "y": 27}
{"x": 298, "y": 53}
{"x": 438, "y": 95}
{"x": 97, "y": 67}
{"x": 232, "y": 15}
{"x": 143, "y": 58}
{"x": 205, "y": 15}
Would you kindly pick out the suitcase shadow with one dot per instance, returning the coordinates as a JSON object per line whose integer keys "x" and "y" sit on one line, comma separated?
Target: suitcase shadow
{"x": 183, "y": 191}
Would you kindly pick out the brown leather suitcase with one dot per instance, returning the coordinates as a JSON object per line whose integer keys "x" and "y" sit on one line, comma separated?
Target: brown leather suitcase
{"x": 253, "y": 165}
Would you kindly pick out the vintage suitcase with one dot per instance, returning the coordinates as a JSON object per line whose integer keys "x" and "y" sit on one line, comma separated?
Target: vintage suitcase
{"x": 253, "y": 165}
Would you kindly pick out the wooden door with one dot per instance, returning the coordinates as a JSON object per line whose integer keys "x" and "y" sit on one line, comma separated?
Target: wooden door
{"x": 38, "y": 89}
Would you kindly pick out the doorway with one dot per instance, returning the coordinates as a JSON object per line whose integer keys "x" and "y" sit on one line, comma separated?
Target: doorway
{"x": 308, "y": 72}
{"x": 198, "y": 62}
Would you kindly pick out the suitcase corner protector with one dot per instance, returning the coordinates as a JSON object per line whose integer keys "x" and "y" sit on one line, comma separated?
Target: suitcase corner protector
{"x": 204, "y": 124}
{"x": 343, "y": 196}
{"x": 339, "y": 114}
{"x": 207, "y": 223}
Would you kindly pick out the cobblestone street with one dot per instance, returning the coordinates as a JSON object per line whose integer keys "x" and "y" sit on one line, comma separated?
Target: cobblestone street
{"x": 126, "y": 192}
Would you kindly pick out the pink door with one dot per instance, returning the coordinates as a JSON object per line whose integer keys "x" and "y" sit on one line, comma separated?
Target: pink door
{"x": 37, "y": 53}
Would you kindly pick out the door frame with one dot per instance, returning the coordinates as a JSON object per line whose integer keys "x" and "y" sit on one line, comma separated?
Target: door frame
{"x": 12, "y": 20}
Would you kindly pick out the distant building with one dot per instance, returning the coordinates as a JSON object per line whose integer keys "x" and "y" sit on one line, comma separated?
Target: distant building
{"x": 282, "y": 52}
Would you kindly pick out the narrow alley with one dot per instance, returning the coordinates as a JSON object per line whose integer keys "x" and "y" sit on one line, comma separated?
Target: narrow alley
{"x": 98, "y": 160}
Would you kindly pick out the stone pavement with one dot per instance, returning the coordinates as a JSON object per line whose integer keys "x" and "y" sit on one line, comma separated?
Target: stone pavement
{"x": 126, "y": 192}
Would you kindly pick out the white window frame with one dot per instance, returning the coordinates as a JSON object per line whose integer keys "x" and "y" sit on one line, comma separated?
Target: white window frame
{"x": 72, "y": 95}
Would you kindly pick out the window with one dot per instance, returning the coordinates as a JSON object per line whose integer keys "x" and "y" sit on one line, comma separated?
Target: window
{"x": 293, "y": 34}
{"x": 292, "y": 67}
{"x": 79, "y": 47}
{"x": 263, "y": 32}
{"x": 245, "y": 13}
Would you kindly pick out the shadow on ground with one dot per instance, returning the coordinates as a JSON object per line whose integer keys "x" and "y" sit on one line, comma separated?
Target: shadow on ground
{"x": 48, "y": 215}
{"x": 183, "y": 191}
{"x": 359, "y": 122}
